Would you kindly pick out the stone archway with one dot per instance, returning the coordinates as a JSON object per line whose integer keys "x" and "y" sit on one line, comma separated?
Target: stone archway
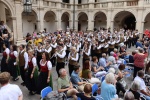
{"x": 100, "y": 20}
{"x": 65, "y": 21}
{"x": 82, "y": 21}
{"x": 50, "y": 21}
{"x": 147, "y": 22}
{"x": 29, "y": 23}
{"x": 125, "y": 19}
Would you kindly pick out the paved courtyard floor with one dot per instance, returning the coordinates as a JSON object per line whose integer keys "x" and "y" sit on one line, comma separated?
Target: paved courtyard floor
{"x": 37, "y": 97}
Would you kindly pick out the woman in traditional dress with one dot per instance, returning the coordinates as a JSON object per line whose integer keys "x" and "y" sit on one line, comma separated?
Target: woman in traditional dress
{"x": 32, "y": 74}
{"x": 12, "y": 65}
{"x": 45, "y": 77}
{"x": 5, "y": 58}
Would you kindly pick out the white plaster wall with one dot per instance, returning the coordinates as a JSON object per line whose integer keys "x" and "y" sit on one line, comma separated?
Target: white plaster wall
{"x": 28, "y": 26}
{"x": 84, "y": 1}
{"x": 100, "y": 21}
{"x": 50, "y": 26}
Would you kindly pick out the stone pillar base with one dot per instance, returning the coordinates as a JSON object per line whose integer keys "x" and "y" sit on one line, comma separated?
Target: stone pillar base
{"x": 19, "y": 42}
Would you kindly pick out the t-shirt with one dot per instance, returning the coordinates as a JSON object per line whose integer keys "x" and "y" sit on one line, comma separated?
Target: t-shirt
{"x": 63, "y": 82}
{"x": 83, "y": 97}
{"x": 10, "y": 92}
{"x": 136, "y": 94}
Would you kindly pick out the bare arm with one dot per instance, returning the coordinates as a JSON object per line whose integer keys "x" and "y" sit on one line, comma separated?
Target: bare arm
{"x": 20, "y": 97}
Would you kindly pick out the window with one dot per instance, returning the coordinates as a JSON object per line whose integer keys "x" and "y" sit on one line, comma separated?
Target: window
{"x": 66, "y": 1}
{"x": 79, "y": 1}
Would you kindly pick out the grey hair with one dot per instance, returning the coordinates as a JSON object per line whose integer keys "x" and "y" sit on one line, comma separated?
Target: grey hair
{"x": 128, "y": 96}
{"x": 135, "y": 85}
{"x": 111, "y": 53}
{"x": 61, "y": 70}
{"x": 110, "y": 78}
{"x": 111, "y": 70}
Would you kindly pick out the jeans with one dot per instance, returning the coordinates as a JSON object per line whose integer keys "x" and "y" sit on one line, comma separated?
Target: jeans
{"x": 147, "y": 97}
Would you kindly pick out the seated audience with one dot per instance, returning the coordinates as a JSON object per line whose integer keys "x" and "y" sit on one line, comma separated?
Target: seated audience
{"x": 129, "y": 96}
{"x": 64, "y": 84}
{"x": 87, "y": 93}
{"x": 144, "y": 91}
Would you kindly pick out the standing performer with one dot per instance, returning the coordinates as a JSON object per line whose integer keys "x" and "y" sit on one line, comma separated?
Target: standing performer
{"x": 39, "y": 54}
{"x": 4, "y": 62}
{"x": 48, "y": 48}
{"x": 53, "y": 45}
{"x": 45, "y": 77}
{"x": 23, "y": 62}
{"x": 73, "y": 58}
{"x": 86, "y": 52}
{"x": 60, "y": 58}
{"x": 111, "y": 45}
{"x": 31, "y": 78}
{"x": 98, "y": 51}
{"x": 13, "y": 62}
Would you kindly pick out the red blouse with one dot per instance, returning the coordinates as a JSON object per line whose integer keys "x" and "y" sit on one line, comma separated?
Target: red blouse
{"x": 139, "y": 60}
{"x": 12, "y": 56}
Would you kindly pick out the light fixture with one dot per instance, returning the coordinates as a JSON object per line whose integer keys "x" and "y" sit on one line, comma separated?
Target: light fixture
{"x": 27, "y": 6}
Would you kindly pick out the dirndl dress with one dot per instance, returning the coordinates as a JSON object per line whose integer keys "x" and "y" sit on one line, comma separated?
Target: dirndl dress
{"x": 42, "y": 79}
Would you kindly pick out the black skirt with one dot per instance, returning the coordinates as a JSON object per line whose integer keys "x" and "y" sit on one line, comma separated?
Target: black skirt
{"x": 4, "y": 67}
{"x": 12, "y": 68}
{"x": 42, "y": 81}
{"x": 30, "y": 82}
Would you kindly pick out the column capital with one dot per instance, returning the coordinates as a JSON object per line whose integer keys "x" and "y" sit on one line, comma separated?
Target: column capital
{"x": 13, "y": 18}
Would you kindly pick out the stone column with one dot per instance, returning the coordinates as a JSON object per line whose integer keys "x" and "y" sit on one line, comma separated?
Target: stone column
{"x": 110, "y": 21}
{"x": 19, "y": 32}
{"x": 2, "y": 12}
{"x": 58, "y": 15}
{"x": 139, "y": 20}
{"x": 15, "y": 35}
{"x": 40, "y": 19}
{"x": 90, "y": 21}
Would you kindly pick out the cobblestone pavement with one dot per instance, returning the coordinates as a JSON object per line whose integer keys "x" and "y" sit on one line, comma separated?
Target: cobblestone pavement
{"x": 37, "y": 97}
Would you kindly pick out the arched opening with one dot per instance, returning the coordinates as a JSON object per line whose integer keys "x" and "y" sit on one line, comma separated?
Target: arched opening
{"x": 147, "y": 22}
{"x": 50, "y": 21}
{"x": 82, "y": 22}
{"x": 100, "y": 20}
{"x": 29, "y": 23}
{"x": 6, "y": 16}
{"x": 126, "y": 20}
{"x": 65, "y": 21}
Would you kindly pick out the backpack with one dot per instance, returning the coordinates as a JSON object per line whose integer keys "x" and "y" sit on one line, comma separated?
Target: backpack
{"x": 54, "y": 95}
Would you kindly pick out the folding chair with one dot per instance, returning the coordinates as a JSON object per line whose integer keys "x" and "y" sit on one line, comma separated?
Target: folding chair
{"x": 45, "y": 91}
{"x": 94, "y": 88}
{"x": 99, "y": 98}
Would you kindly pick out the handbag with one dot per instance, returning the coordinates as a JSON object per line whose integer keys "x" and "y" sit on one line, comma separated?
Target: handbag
{"x": 54, "y": 95}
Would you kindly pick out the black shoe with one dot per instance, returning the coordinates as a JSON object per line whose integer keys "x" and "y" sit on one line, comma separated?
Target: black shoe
{"x": 23, "y": 83}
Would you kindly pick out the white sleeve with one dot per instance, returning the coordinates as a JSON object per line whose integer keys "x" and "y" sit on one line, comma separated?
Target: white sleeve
{"x": 7, "y": 51}
{"x": 88, "y": 53}
{"x": 65, "y": 48}
{"x": 54, "y": 46}
{"x": 62, "y": 55}
{"x": 99, "y": 47}
{"x": 49, "y": 65}
{"x": 39, "y": 50}
{"x": 26, "y": 59}
{"x": 16, "y": 54}
{"x": 76, "y": 59}
{"x": 49, "y": 50}
{"x": 34, "y": 62}
{"x": 68, "y": 55}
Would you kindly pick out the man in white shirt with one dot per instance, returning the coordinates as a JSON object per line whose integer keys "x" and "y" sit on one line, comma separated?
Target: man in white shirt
{"x": 9, "y": 91}
{"x": 23, "y": 62}
{"x": 143, "y": 88}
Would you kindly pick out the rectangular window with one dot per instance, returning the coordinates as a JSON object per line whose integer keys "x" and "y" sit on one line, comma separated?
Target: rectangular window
{"x": 66, "y": 1}
{"x": 79, "y": 1}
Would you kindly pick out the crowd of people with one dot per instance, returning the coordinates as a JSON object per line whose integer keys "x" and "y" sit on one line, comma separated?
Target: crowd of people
{"x": 98, "y": 57}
